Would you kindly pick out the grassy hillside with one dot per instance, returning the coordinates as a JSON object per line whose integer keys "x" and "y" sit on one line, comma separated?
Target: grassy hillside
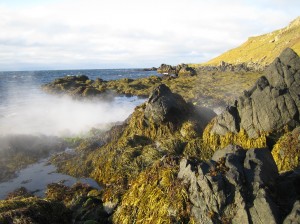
{"x": 263, "y": 49}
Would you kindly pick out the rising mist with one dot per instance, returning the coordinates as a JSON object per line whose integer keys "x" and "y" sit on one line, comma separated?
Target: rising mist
{"x": 63, "y": 116}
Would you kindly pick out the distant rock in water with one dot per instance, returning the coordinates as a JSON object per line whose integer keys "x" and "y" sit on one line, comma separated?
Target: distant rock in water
{"x": 240, "y": 186}
{"x": 179, "y": 70}
{"x": 150, "y": 69}
{"x": 74, "y": 86}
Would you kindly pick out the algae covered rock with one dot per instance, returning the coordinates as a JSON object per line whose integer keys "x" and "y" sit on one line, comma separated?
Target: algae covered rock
{"x": 186, "y": 71}
{"x": 179, "y": 70}
{"x": 261, "y": 113}
{"x": 77, "y": 204}
{"x": 286, "y": 151}
{"x": 166, "y": 125}
{"x": 33, "y": 210}
{"x": 83, "y": 202}
{"x": 238, "y": 186}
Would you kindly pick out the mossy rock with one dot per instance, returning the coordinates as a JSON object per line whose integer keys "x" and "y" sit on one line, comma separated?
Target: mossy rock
{"x": 91, "y": 92}
{"x": 33, "y": 210}
{"x": 286, "y": 152}
{"x": 214, "y": 141}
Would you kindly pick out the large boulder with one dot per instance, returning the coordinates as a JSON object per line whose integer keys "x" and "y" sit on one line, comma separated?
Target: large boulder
{"x": 165, "y": 106}
{"x": 239, "y": 186}
{"x": 262, "y": 112}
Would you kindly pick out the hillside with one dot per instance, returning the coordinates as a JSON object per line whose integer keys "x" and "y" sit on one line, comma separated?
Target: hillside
{"x": 263, "y": 49}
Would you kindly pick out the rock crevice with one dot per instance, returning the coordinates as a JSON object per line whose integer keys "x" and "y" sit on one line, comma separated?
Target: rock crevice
{"x": 237, "y": 186}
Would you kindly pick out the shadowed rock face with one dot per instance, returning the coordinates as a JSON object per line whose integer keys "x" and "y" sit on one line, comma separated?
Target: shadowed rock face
{"x": 240, "y": 186}
{"x": 272, "y": 104}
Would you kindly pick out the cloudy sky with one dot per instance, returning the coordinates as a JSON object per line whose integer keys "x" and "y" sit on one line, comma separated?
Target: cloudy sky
{"x": 72, "y": 34}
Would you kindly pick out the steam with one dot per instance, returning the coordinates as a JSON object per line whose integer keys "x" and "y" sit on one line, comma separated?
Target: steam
{"x": 62, "y": 116}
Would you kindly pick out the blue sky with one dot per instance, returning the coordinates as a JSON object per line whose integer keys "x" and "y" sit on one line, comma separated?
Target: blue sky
{"x": 65, "y": 34}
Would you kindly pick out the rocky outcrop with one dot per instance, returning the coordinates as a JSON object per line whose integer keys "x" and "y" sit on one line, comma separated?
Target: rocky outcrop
{"x": 73, "y": 86}
{"x": 163, "y": 105}
{"x": 272, "y": 104}
{"x": 239, "y": 186}
{"x": 228, "y": 67}
{"x": 166, "y": 69}
{"x": 179, "y": 70}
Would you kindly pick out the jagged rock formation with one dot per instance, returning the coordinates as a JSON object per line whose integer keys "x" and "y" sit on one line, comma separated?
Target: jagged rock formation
{"x": 260, "y": 114}
{"x": 227, "y": 67}
{"x": 240, "y": 186}
{"x": 179, "y": 70}
{"x": 263, "y": 49}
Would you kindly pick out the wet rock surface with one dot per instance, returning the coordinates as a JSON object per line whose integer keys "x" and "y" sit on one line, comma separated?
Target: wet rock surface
{"x": 239, "y": 186}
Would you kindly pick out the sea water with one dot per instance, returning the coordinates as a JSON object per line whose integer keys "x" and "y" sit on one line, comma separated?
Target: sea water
{"x": 26, "y": 110}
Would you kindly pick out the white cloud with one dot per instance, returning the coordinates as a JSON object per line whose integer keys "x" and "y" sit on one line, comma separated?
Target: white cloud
{"x": 108, "y": 33}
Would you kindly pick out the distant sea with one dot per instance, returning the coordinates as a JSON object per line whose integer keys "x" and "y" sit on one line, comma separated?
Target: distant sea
{"x": 22, "y": 101}
{"x": 17, "y": 83}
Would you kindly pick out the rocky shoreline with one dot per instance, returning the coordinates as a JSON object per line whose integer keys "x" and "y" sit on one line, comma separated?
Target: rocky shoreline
{"x": 174, "y": 161}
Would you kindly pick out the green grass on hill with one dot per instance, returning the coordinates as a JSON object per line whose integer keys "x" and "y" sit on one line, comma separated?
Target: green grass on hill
{"x": 263, "y": 49}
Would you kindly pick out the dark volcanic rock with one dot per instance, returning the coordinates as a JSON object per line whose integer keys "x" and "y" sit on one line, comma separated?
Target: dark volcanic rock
{"x": 150, "y": 69}
{"x": 239, "y": 186}
{"x": 166, "y": 69}
{"x": 186, "y": 71}
{"x": 181, "y": 69}
{"x": 270, "y": 105}
{"x": 164, "y": 106}
{"x": 294, "y": 216}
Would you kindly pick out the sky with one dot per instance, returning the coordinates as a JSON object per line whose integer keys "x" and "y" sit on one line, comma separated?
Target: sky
{"x": 90, "y": 34}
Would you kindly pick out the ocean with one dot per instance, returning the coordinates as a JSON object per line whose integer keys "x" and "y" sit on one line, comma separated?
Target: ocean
{"x": 26, "y": 110}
